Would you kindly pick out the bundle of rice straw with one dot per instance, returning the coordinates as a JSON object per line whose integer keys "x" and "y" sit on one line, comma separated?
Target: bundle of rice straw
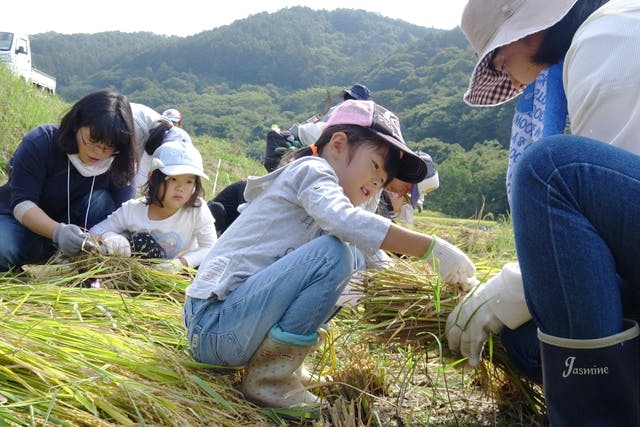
{"x": 111, "y": 272}
{"x": 408, "y": 306}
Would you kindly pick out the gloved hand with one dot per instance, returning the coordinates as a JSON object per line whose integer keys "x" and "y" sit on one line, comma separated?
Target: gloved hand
{"x": 69, "y": 238}
{"x": 170, "y": 266}
{"x": 453, "y": 265}
{"x": 115, "y": 244}
{"x": 487, "y": 309}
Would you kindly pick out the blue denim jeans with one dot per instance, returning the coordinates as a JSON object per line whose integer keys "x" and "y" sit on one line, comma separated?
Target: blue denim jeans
{"x": 576, "y": 220}
{"x": 290, "y": 299}
{"x": 19, "y": 245}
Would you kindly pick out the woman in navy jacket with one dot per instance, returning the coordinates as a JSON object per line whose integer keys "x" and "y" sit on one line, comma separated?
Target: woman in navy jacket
{"x": 65, "y": 178}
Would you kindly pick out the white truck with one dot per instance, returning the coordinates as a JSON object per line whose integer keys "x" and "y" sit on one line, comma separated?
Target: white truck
{"x": 15, "y": 50}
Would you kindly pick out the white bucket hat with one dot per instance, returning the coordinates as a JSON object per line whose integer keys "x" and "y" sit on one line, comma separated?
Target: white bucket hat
{"x": 490, "y": 24}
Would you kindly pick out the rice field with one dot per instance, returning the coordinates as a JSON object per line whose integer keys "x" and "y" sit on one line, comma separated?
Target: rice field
{"x": 72, "y": 355}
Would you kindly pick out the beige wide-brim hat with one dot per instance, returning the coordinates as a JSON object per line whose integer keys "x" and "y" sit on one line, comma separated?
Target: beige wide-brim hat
{"x": 490, "y": 24}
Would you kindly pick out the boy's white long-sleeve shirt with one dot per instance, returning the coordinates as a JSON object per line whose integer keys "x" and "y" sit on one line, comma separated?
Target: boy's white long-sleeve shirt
{"x": 189, "y": 233}
{"x": 285, "y": 209}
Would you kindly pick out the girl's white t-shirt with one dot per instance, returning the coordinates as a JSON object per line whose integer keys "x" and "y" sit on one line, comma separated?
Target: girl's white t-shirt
{"x": 189, "y": 233}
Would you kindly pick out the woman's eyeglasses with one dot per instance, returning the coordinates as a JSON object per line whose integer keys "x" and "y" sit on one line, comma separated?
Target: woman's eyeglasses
{"x": 110, "y": 151}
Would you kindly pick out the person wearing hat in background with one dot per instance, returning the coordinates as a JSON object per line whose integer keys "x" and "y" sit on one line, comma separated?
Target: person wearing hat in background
{"x": 403, "y": 197}
{"x": 275, "y": 275}
{"x": 64, "y": 178}
{"x": 172, "y": 220}
{"x": 573, "y": 199}
{"x": 174, "y": 116}
{"x": 358, "y": 92}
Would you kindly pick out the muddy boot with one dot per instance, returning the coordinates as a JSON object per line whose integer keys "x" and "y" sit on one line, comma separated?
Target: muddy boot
{"x": 592, "y": 382}
{"x": 270, "y": 380}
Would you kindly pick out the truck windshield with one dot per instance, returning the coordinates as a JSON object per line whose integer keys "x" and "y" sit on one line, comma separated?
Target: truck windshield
{"x": 5, "y": 41}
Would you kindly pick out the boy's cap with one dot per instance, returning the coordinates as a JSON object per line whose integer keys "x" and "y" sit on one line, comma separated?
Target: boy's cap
{"x": 173, "y": 115}
{"x": 490, "y": 24}
{"x": 386, "y": 124}
{"x": 178, "y": 158}
{"x": 430, "y": 182}
{"x": 359, "y": 92}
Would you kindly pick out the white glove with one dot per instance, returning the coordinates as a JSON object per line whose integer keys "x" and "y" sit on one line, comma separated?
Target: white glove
{"x": 170, "y": 266}
{"x": 115, "y": 244}
{"x": 453, "y": 265}
{"x": 485, "y": 310}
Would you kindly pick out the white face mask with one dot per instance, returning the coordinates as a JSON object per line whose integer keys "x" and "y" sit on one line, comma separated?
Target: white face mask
{"x": 98, "y": 168}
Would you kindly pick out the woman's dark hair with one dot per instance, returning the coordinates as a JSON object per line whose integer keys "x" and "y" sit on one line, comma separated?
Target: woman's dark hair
{"x": 557, "y": 38}
{"x": 108, "y": 116}
{"x": 154, "y": 190}
{"x": 357, "y": 136}
{"x": 156, "y": 135}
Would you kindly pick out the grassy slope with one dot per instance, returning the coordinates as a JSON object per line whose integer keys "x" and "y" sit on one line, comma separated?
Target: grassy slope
{"x": 118, "y": 355}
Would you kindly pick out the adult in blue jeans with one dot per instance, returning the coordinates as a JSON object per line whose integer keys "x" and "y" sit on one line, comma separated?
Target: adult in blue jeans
{"x": 570, "y": 62}
{"x": 576, "y": 219}
{"x": 65, "y": 178}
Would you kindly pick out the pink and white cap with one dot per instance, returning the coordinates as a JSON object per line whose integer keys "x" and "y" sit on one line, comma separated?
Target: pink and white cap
{"x": 386, "y": 124}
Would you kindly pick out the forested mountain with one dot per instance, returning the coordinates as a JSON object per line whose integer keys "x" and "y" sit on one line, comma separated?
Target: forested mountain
{"x": 234, "y": 81}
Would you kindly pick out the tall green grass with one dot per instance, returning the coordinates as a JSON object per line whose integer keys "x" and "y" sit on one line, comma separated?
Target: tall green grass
{"x": 22, "y": 107}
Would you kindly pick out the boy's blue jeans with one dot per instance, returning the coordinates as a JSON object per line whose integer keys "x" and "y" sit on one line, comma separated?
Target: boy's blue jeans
{"x": 292, "y": 297}
{"x": 19, "y": 245}
{"x": 576, "y": 220}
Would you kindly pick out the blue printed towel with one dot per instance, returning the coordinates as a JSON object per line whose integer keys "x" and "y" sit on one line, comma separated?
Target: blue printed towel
{"x": 541, "y": 111}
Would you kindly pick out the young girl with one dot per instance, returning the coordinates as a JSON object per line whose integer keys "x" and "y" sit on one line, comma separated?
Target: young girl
{"x": 172, "y": 220}
{"x": 65, "y": 178}
{"x": 274, "y": 276}
{"x": 160, "y": 132}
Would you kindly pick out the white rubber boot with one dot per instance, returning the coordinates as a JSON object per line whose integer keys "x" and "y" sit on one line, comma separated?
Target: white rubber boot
{"x": 303, "y": 374}
{"x": 270, "y": 380}
{"x": 306, "y": 376}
